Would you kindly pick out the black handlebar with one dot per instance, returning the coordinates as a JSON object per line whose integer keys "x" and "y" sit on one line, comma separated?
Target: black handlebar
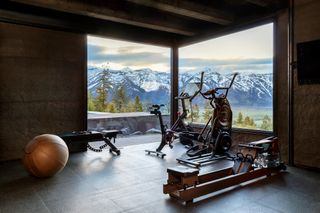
{"x": 209, "y": 92}
{"x": 200, "y": 88}
{"x": 212, "y": 92}
{"x": 157, "y": 106}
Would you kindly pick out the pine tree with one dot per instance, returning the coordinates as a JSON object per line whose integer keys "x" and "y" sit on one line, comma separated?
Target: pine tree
{"x": 195, "y": 113}
{"x": 207, "y": 111}
{"x": 90, "y": 102}
{"x": 138, "y": 105}
{"x": 111, "y": 107}
{"x": 240, "y": 118}
{"x": 130, "y": 107}
{"x": 252, "y": 123}
{"x": 266, "y": 123}
{"x": 120, "y": 99}
{"x": 246, "y": 121}
{"x": 102, "y": 91}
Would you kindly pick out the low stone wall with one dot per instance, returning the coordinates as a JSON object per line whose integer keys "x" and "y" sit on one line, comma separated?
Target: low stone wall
{"x": 128, "y": 123}
{"x": 142, "y": 123}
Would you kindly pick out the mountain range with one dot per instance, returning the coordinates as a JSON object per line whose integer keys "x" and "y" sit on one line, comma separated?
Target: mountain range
{"x": 248, "y": 90}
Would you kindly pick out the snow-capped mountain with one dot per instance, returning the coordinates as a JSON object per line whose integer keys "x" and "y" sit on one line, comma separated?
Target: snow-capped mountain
{"x": 154, "y": 87}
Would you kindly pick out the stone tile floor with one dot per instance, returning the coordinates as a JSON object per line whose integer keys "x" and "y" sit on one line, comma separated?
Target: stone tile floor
{"x": 132, "y": 182}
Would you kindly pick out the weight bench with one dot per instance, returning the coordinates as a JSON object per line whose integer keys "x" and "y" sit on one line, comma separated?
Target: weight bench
{"x": 77, "y": 141}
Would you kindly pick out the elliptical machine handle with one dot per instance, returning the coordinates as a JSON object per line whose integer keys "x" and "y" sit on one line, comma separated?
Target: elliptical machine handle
{"x": 213, "y": 91}
{"x": 209, "y": 92}
{"x": 200, "y": 87}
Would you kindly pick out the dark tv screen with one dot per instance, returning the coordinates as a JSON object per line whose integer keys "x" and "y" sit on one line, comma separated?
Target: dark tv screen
{"x": 308, "y": 62}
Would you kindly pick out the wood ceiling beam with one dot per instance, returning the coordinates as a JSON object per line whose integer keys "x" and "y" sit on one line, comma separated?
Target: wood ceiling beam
{"x": 261, "y": 3}
{"x": 104, "y": 13}
{"x": 189, "y": 9}
{"x": 16, "y": 14}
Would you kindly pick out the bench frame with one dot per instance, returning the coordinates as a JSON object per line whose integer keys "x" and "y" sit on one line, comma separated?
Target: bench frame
{"x": 92, "y": 136}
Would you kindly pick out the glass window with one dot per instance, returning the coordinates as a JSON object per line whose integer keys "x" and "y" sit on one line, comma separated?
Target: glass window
{"x": 124, "y": 80}
{"x": 248, "y": 52}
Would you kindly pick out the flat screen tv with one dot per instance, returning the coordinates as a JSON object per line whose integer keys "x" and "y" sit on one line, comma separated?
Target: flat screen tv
{"x": 308, "y": 62}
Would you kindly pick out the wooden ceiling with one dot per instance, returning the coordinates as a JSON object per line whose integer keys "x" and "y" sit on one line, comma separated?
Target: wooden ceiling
{"x": 163, "y": 22}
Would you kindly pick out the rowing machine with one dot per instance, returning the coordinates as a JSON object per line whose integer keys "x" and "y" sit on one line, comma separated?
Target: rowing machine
{"x": 185, "y": 183}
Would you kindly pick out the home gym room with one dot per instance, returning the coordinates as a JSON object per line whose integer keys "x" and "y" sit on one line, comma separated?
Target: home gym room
{"x": 159, "y": 106}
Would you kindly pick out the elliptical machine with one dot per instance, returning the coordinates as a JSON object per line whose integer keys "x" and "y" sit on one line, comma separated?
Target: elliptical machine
{"x": 213, "y": 142}
{"x": 169, "y": 135}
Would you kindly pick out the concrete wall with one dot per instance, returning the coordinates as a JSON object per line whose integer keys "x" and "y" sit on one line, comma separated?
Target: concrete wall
{"x": 281, "y": 82}
{"x": 306, "y": 97}
{"x": 42, "y": 74}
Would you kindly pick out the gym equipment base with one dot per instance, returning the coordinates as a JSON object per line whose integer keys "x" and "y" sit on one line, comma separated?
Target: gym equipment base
{"x": 186, "y": 184}
{"x": 83, "y": 137}
{"x": 158, "y": 154}
{"x": 201, "y": 160}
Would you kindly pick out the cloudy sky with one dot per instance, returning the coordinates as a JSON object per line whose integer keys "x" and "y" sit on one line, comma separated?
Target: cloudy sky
{"x": 248, "y": 51}
{"x": 121, "y": 54}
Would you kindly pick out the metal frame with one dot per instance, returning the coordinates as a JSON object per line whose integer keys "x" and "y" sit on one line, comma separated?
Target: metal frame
{"x": 290, "y": 85}
{"x": 85, "y": 88}
{"x": 174, "y": 83}
{"x": 275, "y": 79}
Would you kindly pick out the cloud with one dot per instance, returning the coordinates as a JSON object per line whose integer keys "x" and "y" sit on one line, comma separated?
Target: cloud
{"x": 138, "y": 58}
{"x": 96, "y": 54}
{"x": 128, "y": 57}
{"x": 264, "y": 65}
{"x": 199, "y": 62}
{"x": 128, "y": 49}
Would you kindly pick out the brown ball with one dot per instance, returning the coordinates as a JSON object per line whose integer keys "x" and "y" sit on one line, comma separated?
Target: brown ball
{"x": 45, "y": 155}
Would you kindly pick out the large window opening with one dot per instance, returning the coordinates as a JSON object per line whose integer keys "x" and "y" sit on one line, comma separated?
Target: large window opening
{"x": 124, "y": 80}
{"x": 250, "y": 53}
